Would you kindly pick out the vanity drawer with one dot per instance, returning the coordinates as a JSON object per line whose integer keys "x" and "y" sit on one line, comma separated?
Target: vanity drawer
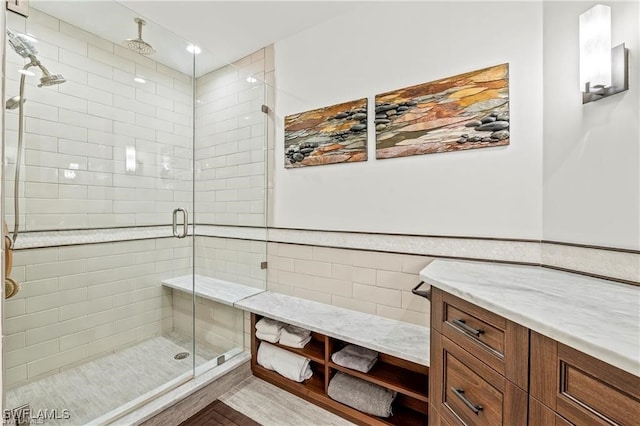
{"x": 498, "y": 342}
{"x": 478, "y": 328}
{"x": 580, "y": 388}
{"x": 467, "y": 392}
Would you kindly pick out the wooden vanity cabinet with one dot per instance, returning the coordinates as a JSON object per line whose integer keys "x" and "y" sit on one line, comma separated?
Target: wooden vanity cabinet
{"x": 487, "y": 370}
{"x": 479, "y": 363}
{"x": 580, "y": 388}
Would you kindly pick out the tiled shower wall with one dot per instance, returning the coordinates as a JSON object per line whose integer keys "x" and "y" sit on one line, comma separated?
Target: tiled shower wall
{"x": 231, "y": 259}
{"x": 216, "y": 325}
{"x": 77, "y": 133}
{"x": 82, "y": 302}
{"x": 230, "y": 191}
{"x": 230, "y": 143}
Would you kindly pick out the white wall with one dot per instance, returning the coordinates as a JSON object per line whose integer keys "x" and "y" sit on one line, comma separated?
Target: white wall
{"x": 493, "y": 192}
{"x": 591, "y": 152}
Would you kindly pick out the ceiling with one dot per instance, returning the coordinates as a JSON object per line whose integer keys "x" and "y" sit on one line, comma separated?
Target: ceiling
{"x": 225, "y": 30}
{"x": 231, "y": 30}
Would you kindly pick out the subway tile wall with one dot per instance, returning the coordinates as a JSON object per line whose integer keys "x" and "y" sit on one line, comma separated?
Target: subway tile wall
{"x": 217, "y": 326}
{"x": 77, "y": 134}
{"x": 230, "y": 150}
{"x": 229, "y": 259}
{"x": 82, "y": 302}
{"x": 372, "y": 282}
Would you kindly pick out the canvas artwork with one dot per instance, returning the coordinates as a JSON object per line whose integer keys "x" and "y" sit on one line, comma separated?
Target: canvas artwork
{"x": 330, "y": 135}
{"x": 466, "y": 111}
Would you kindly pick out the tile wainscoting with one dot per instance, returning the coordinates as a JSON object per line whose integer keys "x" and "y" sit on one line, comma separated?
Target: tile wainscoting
{"x": 623, "y": 265}
{"x": 605, "y": 262}
{"x": 82, "y": 302}
{"x": 68, "y": 279}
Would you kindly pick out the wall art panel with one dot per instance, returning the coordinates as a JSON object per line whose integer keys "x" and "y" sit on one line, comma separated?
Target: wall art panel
{"x": 329, "y": 135}
{"x": 466, "y": 111}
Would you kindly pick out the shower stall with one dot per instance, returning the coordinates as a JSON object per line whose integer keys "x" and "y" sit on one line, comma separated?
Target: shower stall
{"x": 129, "y": 164}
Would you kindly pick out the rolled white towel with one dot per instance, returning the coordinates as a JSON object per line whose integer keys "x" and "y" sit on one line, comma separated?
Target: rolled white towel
{"x": 293, "y": 336}
{"x": 289, "y": 365}
{"x": 356, "y": 358}
{"x": 269, "y": 326}
{"x": 273, "y": 338}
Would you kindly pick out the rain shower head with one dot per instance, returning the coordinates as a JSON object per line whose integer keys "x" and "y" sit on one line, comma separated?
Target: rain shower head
{"x": 138, "y": 45}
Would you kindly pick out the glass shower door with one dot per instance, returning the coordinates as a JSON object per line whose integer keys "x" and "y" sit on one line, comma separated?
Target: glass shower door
{"x": 100, "y": 139}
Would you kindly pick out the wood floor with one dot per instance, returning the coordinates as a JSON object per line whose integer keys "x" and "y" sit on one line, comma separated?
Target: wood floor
{"x": 219, "y": 414}
{"x": 271, "y": 406}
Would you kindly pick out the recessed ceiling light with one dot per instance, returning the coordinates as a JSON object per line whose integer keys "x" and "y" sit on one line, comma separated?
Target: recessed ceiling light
{"x": 192, "y": 48}
{"x": 139, "y": 80}
{"x": 251, "y": 79}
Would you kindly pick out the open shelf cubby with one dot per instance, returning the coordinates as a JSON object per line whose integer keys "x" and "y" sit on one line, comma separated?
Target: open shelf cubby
{"x": 408, "y": 379}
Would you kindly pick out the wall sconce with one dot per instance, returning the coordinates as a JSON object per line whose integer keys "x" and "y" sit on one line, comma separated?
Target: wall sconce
{"x": 604, "y": 71}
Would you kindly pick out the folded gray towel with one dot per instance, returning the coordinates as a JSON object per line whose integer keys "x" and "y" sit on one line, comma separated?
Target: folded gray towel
{"x": 361, "y": 395}
{"x": 356, "y": 358}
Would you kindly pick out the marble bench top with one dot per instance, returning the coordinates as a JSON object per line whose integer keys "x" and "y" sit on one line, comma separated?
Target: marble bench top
{"x": 221, "y": 291}
{"x": 407, "y": 341}
{"x": 598, "y": 317}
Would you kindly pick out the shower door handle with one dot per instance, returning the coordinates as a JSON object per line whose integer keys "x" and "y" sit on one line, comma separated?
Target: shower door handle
{"x": 185, "y": 223}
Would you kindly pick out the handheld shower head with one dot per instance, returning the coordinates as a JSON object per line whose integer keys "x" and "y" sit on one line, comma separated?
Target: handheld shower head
{"x": 13, "y": 103}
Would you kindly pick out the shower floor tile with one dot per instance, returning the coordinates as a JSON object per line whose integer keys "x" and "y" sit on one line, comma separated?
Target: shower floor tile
{"x": 90, "y": 390}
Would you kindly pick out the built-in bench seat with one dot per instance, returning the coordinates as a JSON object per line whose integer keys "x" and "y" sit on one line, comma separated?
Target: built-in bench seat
{"x": 214, "y": 289}
{"x": 406, "y": 341}
{"x": 403, "y": 361}
{"x": 396, "y": 338}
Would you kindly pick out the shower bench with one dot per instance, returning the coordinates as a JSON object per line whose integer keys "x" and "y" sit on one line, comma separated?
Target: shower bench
{"x": 213, "y": 289}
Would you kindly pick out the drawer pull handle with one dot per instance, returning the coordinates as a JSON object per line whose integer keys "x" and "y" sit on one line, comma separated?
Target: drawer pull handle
{"x": 470, "y": 330}
{"x": 460, "y": 394}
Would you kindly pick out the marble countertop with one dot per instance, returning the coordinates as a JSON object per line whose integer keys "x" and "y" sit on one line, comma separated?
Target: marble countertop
{"x": 221, "y": 291}
{"x": 598, "y": 317}
{"x": 402, "y": 340}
